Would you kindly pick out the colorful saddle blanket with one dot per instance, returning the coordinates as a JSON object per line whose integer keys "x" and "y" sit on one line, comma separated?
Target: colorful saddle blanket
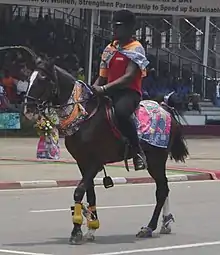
{"x": 153, "y": 123}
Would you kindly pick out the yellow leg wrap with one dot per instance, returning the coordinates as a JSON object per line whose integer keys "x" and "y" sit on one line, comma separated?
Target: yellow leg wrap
{"x": 77, "y": 216}
{"x": 93, "y": 224}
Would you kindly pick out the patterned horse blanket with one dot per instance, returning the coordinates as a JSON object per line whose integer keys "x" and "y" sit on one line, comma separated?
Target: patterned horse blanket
{"x": 153, "y": 123}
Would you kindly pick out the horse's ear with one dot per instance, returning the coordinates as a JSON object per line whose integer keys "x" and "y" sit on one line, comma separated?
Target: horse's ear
{"x": 42, "y": 64}
{"x": 51, "y": 63}
{"x": 38, "y": 61}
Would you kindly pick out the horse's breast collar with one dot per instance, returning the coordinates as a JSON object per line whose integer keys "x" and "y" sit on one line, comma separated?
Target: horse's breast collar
{"x": 75, "y": 113}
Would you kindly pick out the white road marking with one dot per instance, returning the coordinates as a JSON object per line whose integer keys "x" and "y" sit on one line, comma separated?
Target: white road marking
{"x": 99, "y": 208}
{"x": 116, "y": 186}
{"x": 21, "y": 252}
{"x": 165, "y": 248}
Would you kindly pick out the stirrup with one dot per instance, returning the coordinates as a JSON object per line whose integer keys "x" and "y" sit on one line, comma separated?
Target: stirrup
{"x": 139, "y": 162}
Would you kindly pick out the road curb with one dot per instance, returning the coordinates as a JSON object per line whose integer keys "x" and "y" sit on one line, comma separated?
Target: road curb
{"x": 98, "y": 181}
{"x": 215, "y": 174}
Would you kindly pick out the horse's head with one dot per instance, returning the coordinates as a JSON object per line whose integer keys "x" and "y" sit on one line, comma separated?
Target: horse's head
{"x": 42, "y": 89}
{"x": 49, "y": 85}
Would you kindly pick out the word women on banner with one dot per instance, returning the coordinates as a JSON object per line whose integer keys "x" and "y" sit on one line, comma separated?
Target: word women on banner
{"x": 170, "y": 7}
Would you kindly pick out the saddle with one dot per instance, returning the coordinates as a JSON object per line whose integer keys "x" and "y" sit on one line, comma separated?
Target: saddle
{"x": 111, "y": 117}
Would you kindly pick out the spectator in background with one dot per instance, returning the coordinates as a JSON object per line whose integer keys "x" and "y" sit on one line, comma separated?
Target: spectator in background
{"x": 149, "y": 84}
{"x": 21, "y": 89}
{"x": 9, "y": 86}
{"x": 3, "y": 99}
{"x": 2, "y": 91}
{"x": 80, "y": 74}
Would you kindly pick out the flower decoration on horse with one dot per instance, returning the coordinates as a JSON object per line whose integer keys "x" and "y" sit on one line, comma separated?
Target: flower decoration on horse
{"x": 45, "y": 125}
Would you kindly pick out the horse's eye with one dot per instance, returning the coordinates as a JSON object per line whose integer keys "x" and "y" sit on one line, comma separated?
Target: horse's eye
{"x": 42, "y": 77}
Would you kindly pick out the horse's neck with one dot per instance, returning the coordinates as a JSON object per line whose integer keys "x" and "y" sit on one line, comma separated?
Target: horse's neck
{"x": 65, "y": 100}
{"x": 67, "y": 107}
{"x": 65, "y": 92}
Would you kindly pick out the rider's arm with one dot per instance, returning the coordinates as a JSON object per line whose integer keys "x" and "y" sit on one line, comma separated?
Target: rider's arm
{"x": 100, "y": 81}
{"x": 103, "y": 72}
{"x": 132, "y": 71}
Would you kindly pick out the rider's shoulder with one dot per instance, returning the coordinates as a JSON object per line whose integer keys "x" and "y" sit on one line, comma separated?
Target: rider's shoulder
{"x": 138, "y": 47}
{"x": 111, "y": 45}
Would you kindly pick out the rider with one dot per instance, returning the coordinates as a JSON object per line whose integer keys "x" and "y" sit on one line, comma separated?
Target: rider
{"x": 122, "y": 67}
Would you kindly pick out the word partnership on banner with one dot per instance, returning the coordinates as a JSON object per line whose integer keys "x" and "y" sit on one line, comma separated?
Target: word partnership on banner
{"x": 171, "y": 7}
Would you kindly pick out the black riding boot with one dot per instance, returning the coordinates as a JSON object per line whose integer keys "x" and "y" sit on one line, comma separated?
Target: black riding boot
{"x": 139, "y": 160}
{"x": 130, "y": 132}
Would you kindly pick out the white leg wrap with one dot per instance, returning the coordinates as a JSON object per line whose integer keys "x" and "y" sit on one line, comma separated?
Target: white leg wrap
{"x": 166, "y": 207}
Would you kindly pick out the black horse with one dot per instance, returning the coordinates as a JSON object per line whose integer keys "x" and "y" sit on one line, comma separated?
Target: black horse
{"x": 97, "y": 142}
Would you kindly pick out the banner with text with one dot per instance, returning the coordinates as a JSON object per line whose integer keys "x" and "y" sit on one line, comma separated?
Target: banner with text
{"x": 171, "y": 7}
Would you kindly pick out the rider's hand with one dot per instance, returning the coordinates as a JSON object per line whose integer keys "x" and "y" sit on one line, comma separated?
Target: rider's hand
{"x": 99, "y": 89}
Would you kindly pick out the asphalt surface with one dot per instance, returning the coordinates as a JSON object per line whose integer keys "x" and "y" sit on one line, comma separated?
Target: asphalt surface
{"x": 26, "y": 228}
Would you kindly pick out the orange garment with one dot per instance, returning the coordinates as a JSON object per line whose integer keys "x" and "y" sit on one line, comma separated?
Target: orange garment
{"x": 8, "y": 83}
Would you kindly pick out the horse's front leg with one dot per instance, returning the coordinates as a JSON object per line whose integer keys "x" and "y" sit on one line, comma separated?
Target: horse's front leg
{"x": 77, "y": 217}
{"x": 86, "y": 185}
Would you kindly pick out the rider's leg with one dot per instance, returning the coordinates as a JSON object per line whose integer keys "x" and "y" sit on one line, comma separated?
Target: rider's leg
{"x": 125, "y": 103}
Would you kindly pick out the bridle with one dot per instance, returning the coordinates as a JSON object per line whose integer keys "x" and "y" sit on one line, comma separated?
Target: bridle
{"x": 42, "y": 106}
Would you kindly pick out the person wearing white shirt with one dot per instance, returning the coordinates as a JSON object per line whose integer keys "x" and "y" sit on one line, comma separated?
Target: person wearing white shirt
{"x": 2, "y": 91}
{"x": 21, "y": 86}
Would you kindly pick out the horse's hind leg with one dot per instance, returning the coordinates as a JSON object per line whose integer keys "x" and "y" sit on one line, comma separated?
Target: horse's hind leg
{"x": 156, "y": 168}
{"x": 168, "y": 218}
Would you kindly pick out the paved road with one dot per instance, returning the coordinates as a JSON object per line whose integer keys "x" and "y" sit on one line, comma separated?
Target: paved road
{"x": 26, "y": 228}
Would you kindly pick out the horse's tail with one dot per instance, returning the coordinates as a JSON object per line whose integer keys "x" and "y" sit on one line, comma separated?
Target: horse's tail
{"x": 178, "y": 149}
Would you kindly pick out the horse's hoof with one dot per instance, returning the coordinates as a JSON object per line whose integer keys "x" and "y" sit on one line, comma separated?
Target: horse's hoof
{"x": 165, "y": 230}
{"x": 145, "y": 232}
{"x": 90, "y": 235}
{"x": 166, "y": 225}
{"x": 76, "y": 237}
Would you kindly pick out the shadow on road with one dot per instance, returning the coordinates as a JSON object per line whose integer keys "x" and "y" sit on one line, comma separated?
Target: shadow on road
{"x": 111, "y": 239}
